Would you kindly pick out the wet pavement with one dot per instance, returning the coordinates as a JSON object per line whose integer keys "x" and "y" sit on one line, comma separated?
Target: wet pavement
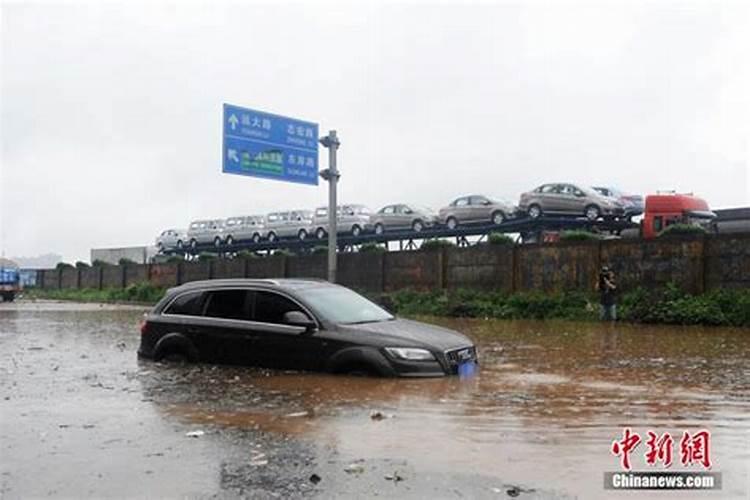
{"x": 82, "y": 417}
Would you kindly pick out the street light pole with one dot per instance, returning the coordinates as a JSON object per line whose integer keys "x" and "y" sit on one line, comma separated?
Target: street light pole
{"x": 331, "y": 174}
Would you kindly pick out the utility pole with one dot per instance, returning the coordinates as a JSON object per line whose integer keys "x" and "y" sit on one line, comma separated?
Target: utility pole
{"x": 331, "y": 174}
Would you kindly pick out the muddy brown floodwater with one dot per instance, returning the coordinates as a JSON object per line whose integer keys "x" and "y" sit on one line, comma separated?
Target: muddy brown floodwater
{"x": 82, "y": 417}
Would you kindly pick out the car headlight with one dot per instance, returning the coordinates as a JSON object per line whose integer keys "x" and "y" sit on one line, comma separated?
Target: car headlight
{"x": 410, "y": 353}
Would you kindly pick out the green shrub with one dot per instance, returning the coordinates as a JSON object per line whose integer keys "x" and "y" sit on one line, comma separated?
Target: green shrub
{"x": 319, "y": 250}
{"x": 668, "y": 305}
{"x": 283, "y": 252}
{"x": 206, "y": 256}
{"x": 436, "y": 243}
{"x": 63, "y": 265}
{"x": 173, "y": 259}
{"x": 372, "y": 247}
{"x": 499, "y": 239}
{"x": 247, "y": 254}
{"x": 99, "y": 263}
{"x": 676, "y": 229}
{"x": 82, "y": 265}
{"x": 578, "y": 235}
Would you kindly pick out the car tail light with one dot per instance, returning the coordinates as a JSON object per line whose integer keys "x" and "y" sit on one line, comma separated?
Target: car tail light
{"x": 143, "y": 326}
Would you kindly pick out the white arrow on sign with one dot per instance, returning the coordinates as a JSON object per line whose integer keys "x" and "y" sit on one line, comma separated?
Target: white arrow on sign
{"x": 232, "y": 154}
{"x": 233, "y": 121}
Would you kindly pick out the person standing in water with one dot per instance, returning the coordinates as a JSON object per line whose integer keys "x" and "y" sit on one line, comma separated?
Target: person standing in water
{"x": 607, "y": 294}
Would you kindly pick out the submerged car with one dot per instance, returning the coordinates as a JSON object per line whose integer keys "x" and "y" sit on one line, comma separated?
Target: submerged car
{"x": 403, "y": 216}
{"x": 475, "y": 209}
{"x": 632, "y": 204}
{"x": 171, "y": 239}
{"x": 297, "y": 324}
{"x": 569, "y": 199}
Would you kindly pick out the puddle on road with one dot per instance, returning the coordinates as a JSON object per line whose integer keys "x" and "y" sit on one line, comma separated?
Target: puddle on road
{"x": 543, "y": 411}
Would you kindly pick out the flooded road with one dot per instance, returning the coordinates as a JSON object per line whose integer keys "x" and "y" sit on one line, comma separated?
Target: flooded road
{"x": 81, "y": 416}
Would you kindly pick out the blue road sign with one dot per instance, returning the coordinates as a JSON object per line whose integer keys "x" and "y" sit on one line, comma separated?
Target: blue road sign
{"x": 264, "y": 145}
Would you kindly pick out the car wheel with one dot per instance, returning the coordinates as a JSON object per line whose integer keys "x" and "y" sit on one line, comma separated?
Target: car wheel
{"x": 356, "y": 230}
{"x": 535, "y": 211}
{"x": 180, "y": 244}
{"x": 379, "y": 229}
{"x": 320, "y": 233}
{"x": 498, "y": 218}
{"x": 159, "y": 248}
{"x": 452, "y": 223}
{"x": 178, "y": 357}
{"x": 256, "y": 238}
{"x": 193, "y": 244}
{"x": 217, "y": 242}
{"x": 417, "y": 226}
{"x": 592, "y": 212}
{"x": 302, "y": 235}
{"x": 272, "y": 237}
{"x": 229, "y": 241}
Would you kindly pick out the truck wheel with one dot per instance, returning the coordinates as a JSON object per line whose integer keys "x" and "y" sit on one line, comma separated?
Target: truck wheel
{"x": 320, "y": 233}
{"x": 256, "y": 238}
{"x": 356, "y": 230}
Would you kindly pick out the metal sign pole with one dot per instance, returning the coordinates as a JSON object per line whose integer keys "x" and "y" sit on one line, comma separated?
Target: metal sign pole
{"x": 331, "y": 174}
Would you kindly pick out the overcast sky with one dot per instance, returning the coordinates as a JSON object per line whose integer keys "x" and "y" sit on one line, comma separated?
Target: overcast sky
{"x": 111, "y": 113}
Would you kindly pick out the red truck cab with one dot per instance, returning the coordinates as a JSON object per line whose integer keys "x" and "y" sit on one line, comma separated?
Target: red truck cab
{"x": 664, "y": 210}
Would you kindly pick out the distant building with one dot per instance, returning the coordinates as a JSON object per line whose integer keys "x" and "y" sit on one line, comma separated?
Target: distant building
{"x": 46, "y": 261}
{"x": 139, "y": 255}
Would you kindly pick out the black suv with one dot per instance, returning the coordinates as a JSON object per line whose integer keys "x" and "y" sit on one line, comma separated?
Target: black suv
{"x": 297, "y": 324}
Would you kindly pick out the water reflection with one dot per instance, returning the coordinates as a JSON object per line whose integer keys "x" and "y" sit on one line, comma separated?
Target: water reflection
{"x": 549, "y": 398}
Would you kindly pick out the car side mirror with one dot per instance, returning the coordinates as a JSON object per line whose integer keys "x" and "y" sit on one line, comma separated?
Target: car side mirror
{"x": 298, "y": 318}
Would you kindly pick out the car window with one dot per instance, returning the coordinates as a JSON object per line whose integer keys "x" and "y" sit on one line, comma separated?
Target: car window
{"x": 658, "y": 224}
{"x": 462, "y": 202}
{"x": 227, "y": 304}
{"x": 478, "y": 200}
{"x": 188, "y": 304}
{"x": 342, "y": 305}
{"x": 270, "y": 307}
{"x": 321, "y": 212}
{"x": 387, "y": 210}
{"x": 549, "y": 188}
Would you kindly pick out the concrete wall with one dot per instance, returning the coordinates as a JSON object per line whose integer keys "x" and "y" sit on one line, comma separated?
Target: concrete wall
{"x": 485, "y": 267}
{"x": 164, "y": 275}
{"x": 727, "y": 261}
{"x": 90, "y": 277}
{"x": 696, "y": 263}
{"x": 559, "y": 267}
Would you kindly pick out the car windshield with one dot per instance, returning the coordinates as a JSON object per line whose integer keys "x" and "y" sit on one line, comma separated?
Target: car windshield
{"x": 342, "y": 305}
